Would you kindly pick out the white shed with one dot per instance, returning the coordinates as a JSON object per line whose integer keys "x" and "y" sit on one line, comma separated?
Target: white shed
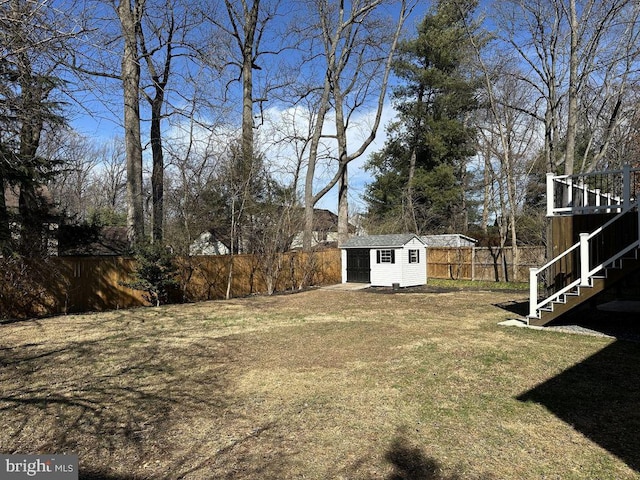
{"x": 385, "y": 260}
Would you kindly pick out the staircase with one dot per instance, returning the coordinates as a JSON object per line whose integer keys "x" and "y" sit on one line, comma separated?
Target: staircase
{"x": 600, "y": 258}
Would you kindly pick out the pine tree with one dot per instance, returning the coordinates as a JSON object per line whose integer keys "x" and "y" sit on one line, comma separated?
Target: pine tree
{"x": 421, "y": 172}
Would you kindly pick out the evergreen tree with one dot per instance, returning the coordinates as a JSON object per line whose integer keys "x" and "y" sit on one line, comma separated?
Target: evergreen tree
{"x": 420, "y": 174}
{"x": 31, "y": 42}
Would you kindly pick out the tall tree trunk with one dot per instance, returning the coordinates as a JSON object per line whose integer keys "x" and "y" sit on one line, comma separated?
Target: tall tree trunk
{"x": 251, "y": 19}
{"x": 411, "y": 211}
{"x": 343, "y": 184}
{"x": 157, "y": 173}
{"x": 5, "y": 233}
{"x": 157, "y": 154}
{"x": 343, "y": 207}
{"x": 572, "y": 112}
{"x": 130, "y": 15}
{"x": 413, "y": 159}
{"x": 488, "y": 180}
{"x": 309, "y": 198}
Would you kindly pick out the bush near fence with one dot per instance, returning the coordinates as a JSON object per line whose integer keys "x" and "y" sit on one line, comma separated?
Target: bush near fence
{"x": 60, "y": 285}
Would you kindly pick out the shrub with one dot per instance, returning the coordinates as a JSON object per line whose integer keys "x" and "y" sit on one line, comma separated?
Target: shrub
{"x": 155, "y": 273}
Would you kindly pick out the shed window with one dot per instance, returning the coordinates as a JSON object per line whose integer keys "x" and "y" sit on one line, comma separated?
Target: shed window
{"x": 386, "y": 256}
{"x": 414, "y": 256}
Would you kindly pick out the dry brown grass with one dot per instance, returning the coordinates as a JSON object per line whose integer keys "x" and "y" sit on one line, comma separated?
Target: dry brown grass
{"x": 320, "y": 384}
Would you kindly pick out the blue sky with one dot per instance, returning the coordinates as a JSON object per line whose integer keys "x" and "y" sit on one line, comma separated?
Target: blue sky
{"x": 98, "y": 116}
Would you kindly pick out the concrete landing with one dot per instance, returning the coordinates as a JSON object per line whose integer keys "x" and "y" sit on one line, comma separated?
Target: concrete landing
{"x": 347, "y": 286}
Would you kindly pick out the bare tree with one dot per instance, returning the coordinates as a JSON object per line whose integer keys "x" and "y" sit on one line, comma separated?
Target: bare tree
{"x": 110, "y": 180}
{"x": 247, "y": 28}
{"x": 570, "y": 46}
{"x": 76, "y": 158}
{"x": 159, "y": 75}
{"x": 130, "y": 14}
{"x": 357, "y": 48}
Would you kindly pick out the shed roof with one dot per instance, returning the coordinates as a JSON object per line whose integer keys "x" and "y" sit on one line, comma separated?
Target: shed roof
{"x": 379, "y": 241}
{"x": 448, "y": 240}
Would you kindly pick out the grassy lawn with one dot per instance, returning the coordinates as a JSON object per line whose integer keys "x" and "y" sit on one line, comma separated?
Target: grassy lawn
{"x": 321, "y": 384}
{"x": 478, "y": 285}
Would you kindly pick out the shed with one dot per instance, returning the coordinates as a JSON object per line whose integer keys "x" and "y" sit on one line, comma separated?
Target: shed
{"x": 385, "y": 260}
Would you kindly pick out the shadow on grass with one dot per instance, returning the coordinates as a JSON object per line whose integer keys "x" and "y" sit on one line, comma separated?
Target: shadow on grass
{"x": 599, "y": 397}
{"x": 411, "y": 463}
{"x": 519, "y": 307}
{"x": 116, "y": 401}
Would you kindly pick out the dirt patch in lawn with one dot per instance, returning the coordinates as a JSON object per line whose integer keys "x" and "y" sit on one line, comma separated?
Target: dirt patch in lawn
{"x": 321, "y": 384}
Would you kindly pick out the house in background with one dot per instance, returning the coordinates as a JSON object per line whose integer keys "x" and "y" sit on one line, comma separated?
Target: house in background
{"x": 325, "y": 234}
{"x": 385, "y": 260}
{"x": 453, "y": 240}
{"x": 325, "y": 230}
{"x": 211, "y": 242}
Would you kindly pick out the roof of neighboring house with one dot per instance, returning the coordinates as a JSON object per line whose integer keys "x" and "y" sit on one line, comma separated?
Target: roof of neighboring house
{"x": 379, "y": 241}
{"x": 327, "y": 221}
{"x": 448, "y": 240}
{"x": 324, "y": 220}
{"x": 12, "y": 198}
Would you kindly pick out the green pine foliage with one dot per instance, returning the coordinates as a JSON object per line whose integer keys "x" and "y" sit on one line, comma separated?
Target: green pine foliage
{"x": 155, "y": 273}
{"x": 435, "y": 101}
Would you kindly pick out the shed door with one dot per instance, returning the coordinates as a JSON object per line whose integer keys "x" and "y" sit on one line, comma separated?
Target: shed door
{"x": 358, "y": 265}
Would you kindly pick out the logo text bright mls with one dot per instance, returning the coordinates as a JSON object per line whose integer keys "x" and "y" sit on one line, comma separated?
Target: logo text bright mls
{"x": 30, "y": 468}
{"x": 49, "y": 467}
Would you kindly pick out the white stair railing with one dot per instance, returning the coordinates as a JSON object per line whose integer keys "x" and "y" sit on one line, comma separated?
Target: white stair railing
{"x": 597, "y": 192}
{"x": 577, "y": 266}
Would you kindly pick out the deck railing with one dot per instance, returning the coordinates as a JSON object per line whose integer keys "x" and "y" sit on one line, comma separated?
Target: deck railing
{"x": 612, "y": 191}
{"x": 577, "y": 265}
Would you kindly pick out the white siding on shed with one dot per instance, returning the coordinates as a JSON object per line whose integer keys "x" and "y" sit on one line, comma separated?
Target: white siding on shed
{"x": 385, "y": 274}
{"x": 401, "y": 271}
{"x": 414, "y": 273}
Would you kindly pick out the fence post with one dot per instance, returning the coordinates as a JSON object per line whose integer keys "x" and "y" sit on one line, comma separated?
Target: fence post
{"x": 473, "y": 263}
{"x": 584, "y": 260}
{"x": 533, "y": 291}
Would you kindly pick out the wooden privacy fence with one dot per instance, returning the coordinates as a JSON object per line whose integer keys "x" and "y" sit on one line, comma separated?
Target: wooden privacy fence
{"x": 33, "y": 288}
{"x": 482, "y": 263}
{"x": 206, "y": 277}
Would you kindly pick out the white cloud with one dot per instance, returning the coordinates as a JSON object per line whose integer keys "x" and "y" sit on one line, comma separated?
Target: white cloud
{"x": 282, "y": 135}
